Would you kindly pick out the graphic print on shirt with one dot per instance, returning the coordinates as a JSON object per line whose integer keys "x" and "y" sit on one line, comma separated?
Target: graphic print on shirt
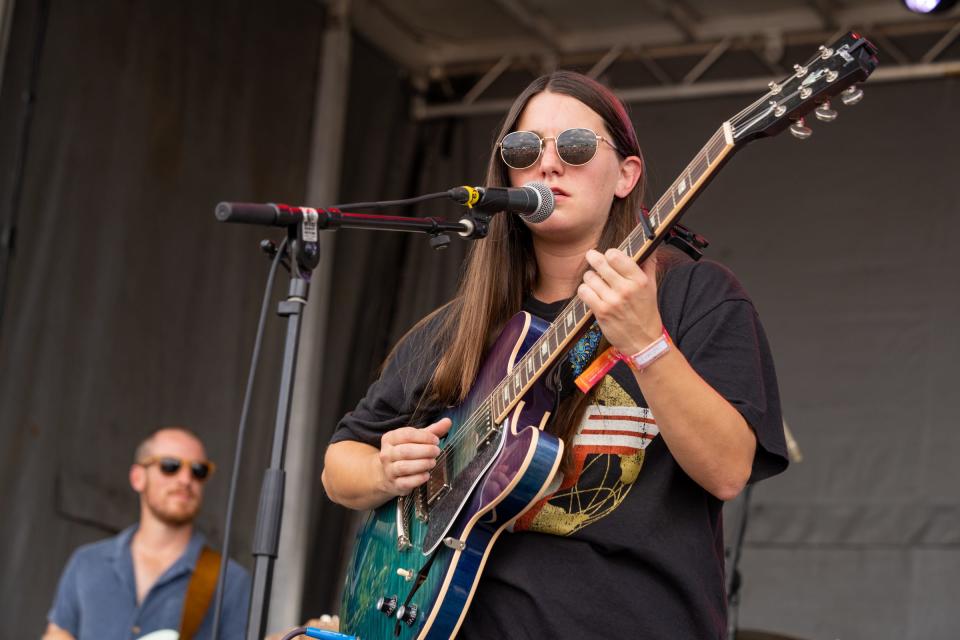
{"x": 608, "y": 453}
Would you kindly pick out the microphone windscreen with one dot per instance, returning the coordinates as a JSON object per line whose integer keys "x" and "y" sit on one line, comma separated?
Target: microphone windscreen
{"x": 545, "y": 208}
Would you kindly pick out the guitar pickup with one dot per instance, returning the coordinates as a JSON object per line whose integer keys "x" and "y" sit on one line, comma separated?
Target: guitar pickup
{"x": 483, "y": 438}
{"x": 437, "y": 485}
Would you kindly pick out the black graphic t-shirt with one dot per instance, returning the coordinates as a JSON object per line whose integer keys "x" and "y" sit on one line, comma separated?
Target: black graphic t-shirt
{"x": 626, "y": 545}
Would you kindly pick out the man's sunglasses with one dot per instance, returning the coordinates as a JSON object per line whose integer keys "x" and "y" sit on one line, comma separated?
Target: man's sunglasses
{"x": 576, "y": 147}
{"x": 170, "y": 466}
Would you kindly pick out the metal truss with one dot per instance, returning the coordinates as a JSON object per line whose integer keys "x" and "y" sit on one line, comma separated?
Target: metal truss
{"x": 677, "y": 34}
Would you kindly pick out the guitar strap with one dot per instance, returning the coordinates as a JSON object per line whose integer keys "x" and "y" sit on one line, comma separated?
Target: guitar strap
{"x": 200, "y": 590}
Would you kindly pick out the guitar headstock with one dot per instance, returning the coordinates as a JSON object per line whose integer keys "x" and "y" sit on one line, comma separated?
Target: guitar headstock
{"x": 833, "y": 70}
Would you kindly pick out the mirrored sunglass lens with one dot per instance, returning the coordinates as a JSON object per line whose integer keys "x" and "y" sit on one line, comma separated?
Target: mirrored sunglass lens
{"x": 169, "y": 466}
{"x": 200, "y": 470}
{"x": 520, "y": 149}
{"x": 577, "y": 146}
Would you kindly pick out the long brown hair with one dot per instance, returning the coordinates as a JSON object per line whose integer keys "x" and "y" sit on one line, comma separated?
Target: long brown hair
{"x": 502, "y": 269}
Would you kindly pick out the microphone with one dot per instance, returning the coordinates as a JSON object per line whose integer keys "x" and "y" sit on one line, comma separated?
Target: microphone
{"x": 271, "y": 215}
{"x": 533, "y": 202}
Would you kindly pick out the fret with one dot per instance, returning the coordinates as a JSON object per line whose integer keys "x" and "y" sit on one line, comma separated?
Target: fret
{"x": 578, "y": 308}
{"x": 544, "y": 351}
{"x": 631, "y": 248}
{"x": 680, "y": 188}
{"x": 654, "y": 218}
{"x": 699, "y": 167}
{"x": 715, "y": 146}
{"x": 718, "y": 143}
{"x": 530, "y": 368}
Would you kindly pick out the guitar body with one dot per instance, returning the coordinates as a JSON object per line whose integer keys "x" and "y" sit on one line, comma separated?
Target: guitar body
{"x": 505, "y": 479}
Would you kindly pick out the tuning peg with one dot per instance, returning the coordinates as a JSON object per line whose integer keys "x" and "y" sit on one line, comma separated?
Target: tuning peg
{"x": 851, "y": 95}
{"x": 800, "y": 130}
{"x": 825, "y": 113}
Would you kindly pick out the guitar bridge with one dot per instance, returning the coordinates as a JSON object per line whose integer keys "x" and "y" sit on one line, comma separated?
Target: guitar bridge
{"x": 419, "y": 498}
{"x": 403, "y": 524}
{"x": 483, "y": 439}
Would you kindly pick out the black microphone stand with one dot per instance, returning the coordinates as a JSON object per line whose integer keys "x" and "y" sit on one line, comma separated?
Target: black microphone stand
{"x": 304, "y": 253}
{"x": 303, "y": 249}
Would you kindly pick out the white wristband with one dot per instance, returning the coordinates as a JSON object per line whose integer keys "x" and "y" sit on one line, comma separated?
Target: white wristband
{"x": 646, "y": 356}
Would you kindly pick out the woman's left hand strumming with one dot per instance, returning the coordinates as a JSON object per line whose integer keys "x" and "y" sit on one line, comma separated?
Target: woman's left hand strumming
{"x": 623, "y": 297}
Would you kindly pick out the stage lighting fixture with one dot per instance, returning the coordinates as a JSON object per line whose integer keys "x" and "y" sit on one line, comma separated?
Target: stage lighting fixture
{"x": 929, "y": 6}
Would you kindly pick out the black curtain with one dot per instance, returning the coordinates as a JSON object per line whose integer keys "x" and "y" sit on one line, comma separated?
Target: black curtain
{"x": 128, "y": 306}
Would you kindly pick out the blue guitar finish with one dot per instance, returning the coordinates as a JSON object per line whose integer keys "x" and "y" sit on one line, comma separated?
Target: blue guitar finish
{"x": 411, "y": 593}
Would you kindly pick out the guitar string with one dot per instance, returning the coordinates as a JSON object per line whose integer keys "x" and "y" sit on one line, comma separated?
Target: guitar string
{"x": 452, "y": 446}
{"x": 474, "y": 420}
{"x": 462, "y": 432}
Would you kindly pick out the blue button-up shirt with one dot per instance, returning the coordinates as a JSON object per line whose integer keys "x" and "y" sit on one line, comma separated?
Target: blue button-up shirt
{"x": 97, "y": 595}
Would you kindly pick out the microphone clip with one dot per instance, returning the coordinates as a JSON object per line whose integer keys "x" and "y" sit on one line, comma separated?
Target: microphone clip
{"x": 477, "y": 224}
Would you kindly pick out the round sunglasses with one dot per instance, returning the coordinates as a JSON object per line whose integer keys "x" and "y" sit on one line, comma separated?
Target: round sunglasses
{"x": 170, "y": 466}
{"x": 575, "y": 147}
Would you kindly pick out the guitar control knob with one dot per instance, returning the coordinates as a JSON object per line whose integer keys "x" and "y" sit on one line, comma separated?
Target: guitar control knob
{"x": 800, "y": 130}
{"x": 408, "y": 615}
{"x": 825, "y": 112}
{"x": 851, "y": 95}
{"x": 387, "y": 604}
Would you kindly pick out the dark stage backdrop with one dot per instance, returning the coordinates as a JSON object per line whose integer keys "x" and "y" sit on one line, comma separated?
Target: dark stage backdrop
{"x": 129, "y": 307}
{"x": 846, "y": 243}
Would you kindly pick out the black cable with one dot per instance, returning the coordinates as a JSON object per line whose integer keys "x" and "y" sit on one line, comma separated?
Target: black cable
{"x": 241, "y": 431}
{"x": 383, "y": 204}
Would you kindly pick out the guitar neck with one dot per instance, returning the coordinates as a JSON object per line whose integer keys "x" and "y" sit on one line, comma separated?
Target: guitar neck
{"x": 638, "y": 245}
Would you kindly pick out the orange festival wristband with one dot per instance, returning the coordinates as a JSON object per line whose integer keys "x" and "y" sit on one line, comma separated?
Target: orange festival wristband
{"x": 639, "y": 361}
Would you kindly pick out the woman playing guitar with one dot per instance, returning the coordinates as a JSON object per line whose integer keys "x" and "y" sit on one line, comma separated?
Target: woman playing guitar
{"x": 627, "y": 540}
